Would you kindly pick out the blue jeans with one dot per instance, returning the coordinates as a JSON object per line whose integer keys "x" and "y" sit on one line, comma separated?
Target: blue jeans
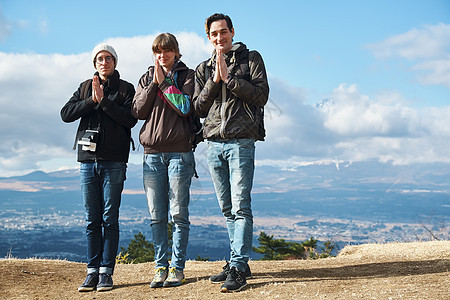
{"x": 101, "y": 189}
{"x": 231, "y": 164}
{"x": 167, "y": 179}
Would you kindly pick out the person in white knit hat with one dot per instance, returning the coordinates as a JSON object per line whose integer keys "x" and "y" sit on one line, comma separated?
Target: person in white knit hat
{"x": 103, "y": 105}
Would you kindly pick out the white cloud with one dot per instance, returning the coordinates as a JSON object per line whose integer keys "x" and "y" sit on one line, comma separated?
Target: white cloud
{"x": 293, "y": 127}
{"x": 431, "y": 41}
{"x": 439, "y": 71}
{"x": 35, "y": 87}
{"x": 390, "y": 132}
{"x": 426, "y": 48}
{"x": 353, "y": 114}
{"x": 349, "y": 126}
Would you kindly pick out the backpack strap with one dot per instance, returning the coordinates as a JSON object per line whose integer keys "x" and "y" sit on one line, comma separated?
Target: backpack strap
{"x": 181, "y": 78}
{"x": 85, "y": 88}
{"x": 208, "y": 66}
{"x": 83, "y": 95}
{"x": 244, "y": 64}
{"x": 123, "y": 88}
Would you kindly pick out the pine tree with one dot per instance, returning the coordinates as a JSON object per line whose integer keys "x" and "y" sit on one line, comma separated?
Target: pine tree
{"x": 199, "y": 258}
{"x": 279, "y": 249}
{"x": 272, "y": 249}
{"x": 296, "y": 251}
{"x": 327, "y": 248}
{"x": 139, "y": 250}
{"x": 310, "y": 247}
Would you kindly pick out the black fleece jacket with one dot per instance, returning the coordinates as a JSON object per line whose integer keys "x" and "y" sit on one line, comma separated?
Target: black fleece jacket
{"x": 112, "y": 116}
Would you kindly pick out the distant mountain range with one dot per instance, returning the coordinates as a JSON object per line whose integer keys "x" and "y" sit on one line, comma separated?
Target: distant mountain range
{"x": 367, "y": 191}
{"x": 39, "y": 204}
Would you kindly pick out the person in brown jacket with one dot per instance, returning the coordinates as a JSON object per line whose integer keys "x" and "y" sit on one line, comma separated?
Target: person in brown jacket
{"x": 164, "y": 100}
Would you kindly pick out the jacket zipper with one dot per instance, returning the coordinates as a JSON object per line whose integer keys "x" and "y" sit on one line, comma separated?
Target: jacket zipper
{"x": 248, "y": 111}
{"x": 222, "y": 111}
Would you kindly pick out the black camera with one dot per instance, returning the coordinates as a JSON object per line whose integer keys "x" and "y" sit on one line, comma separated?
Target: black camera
{"x": 89, "y": 140}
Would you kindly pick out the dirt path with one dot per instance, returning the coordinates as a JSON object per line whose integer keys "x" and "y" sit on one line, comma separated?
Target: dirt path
{"x": 373, "y": 271}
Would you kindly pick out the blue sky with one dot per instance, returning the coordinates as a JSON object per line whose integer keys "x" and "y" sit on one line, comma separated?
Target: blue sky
{"x": 379, "y": 69}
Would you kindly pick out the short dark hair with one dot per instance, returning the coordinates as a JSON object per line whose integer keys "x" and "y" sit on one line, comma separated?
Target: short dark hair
{"x": 217, "y": 17}
{"x": 166, "y": 41}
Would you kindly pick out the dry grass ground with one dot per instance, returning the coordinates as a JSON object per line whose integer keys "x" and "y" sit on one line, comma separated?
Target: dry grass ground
{"x": 373, "y": 271}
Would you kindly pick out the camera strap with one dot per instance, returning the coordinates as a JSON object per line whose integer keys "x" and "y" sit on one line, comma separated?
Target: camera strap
{"x": 88, "y": 128}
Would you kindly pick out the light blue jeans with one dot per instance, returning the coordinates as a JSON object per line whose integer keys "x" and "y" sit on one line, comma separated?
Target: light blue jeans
{"x": 232, "y": 164}
{"x": 101, "y": 189}
{"x": 167, "y": 179}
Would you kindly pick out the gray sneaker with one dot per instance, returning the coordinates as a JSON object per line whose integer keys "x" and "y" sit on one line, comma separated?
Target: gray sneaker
{"x": 175, "y": 278}
{"x": 89, "y": 283}
{"x": 105, "y": 283}
{"x": 222, "y": 276}
{"x": 160, "y": 277}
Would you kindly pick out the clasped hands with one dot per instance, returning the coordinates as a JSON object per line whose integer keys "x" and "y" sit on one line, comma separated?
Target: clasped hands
{"x": 221, "y": 68}
{"x": 97, "y": 90}
{"x": 159, "y": 76}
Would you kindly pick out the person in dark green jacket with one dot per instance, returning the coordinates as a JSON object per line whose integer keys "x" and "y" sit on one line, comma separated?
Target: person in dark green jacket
{"x": 231, "y": 90}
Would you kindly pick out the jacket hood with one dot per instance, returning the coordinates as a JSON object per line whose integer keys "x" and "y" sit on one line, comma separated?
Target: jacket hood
{"x": 237, "y": 47}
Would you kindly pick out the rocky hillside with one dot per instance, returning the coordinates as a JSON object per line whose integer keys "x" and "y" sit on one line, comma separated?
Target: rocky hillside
{"x": 418, "y": 270}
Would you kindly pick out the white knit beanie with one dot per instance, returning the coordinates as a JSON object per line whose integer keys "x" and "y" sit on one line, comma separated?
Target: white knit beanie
{"x": 104, "y": 47}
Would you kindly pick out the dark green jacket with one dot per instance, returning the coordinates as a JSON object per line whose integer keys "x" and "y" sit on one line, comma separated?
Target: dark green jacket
{"x": 234, "y": 110}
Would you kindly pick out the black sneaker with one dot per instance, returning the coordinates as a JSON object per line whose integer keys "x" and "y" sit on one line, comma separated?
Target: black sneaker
{"x": 105, "y": 283}
{"x": 89, "y": 283}
{"x": 247, "y": 273}
{"x": 222, "y": 276}
{"x": 235, "y": 281}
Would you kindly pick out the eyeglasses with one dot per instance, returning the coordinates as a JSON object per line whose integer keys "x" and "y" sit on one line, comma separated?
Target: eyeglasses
{"x": 102, "y": 60}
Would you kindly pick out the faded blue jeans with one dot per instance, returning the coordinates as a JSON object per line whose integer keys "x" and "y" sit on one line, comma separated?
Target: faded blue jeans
{"x": 232, "y": 164}
{"x": 167, "y": 179}
{"x": 101, "y": 190}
